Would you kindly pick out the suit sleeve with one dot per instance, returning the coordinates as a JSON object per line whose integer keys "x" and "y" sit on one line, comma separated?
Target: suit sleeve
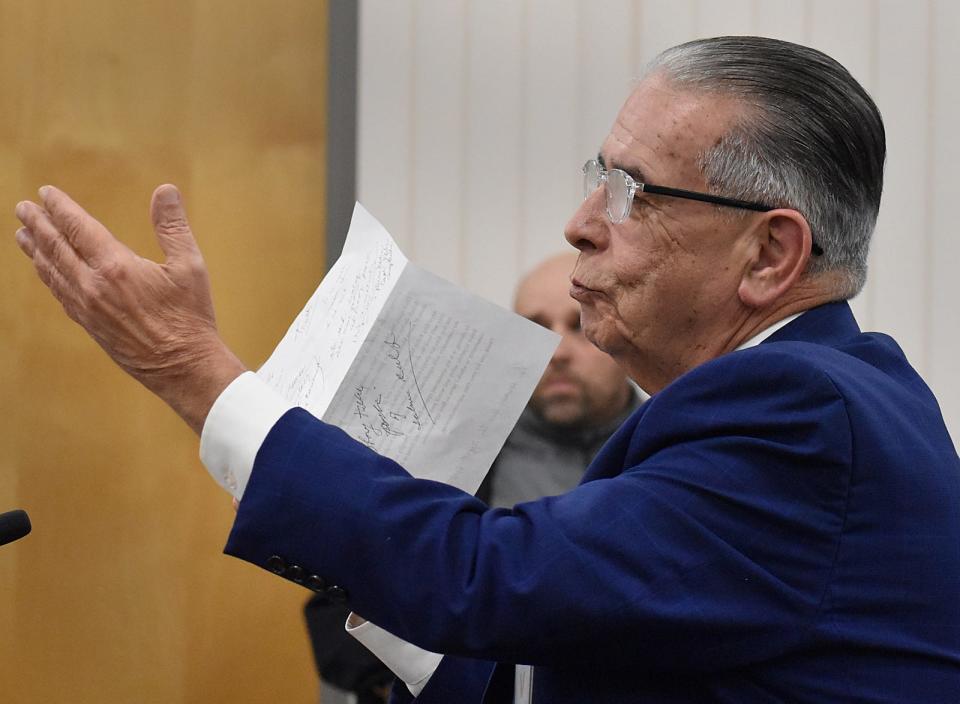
{"x": 711, "y": 548}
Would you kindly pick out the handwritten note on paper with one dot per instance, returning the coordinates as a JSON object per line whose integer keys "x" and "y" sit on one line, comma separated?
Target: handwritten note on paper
{"x": 410, "y": 365}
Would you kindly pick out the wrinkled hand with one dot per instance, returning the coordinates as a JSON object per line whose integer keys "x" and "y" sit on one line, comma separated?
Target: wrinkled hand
{"x": 156, "y": 321}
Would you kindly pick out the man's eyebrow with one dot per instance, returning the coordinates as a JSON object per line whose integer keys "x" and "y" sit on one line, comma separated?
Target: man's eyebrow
{"x": 635, "y": 173}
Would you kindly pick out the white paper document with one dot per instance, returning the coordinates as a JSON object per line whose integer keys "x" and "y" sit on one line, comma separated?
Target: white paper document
{"x": 410, "y": 365}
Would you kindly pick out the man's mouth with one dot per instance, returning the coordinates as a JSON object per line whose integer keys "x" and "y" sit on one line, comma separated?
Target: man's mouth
{"x": 578, "y": 291}
{"x": 559, "y": 383}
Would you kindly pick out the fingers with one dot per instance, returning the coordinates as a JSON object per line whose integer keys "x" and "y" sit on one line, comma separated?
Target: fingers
{"x": 170, "y": 224}
{"x": 41, "y": 236}
{"x": 62, "y": 289}
{"x": 91, "y": 240}
{"x": 25, "y": 241}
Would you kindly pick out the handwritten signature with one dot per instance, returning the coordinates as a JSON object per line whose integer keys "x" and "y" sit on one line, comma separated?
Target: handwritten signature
{"x": 359, "y": 406}
{"x": 414, "y": 416}
{"x": 393, "y": 353}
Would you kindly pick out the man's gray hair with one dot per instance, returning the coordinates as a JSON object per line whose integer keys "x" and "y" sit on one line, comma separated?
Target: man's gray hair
{"x": 812, "y": 140}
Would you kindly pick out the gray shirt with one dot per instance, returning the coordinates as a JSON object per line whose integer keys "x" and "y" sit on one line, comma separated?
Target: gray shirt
{"x": 541, "y": 459}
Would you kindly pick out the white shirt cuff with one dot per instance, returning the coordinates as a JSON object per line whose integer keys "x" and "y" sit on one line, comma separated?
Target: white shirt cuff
{"x": 410, "y": 663}
{"x": 235, "y": 429}
{"x": 233, "y": 432}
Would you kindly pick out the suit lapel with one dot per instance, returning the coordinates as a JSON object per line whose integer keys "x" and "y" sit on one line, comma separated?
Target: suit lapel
{"x": 609, "y": 462}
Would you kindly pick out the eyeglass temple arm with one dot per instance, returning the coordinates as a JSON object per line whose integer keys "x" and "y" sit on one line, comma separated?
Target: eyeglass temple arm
{"x": 718, "y": 200}
{"x": 704, "y": 197}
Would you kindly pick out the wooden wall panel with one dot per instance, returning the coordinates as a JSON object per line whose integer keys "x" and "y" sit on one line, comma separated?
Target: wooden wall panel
{"x": 122, "y": 594}
{"x": 540, "y": 76}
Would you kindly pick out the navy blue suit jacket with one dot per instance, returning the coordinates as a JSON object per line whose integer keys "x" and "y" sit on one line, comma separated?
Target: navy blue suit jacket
{"x": 780, "y": 524}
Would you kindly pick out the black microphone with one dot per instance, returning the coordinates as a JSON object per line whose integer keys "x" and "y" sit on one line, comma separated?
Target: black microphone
{"x": 13, "y": 525}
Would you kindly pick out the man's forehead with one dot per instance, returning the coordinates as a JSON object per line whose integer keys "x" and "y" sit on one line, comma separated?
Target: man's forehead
{"x": 547, "y": 287}
{"x": 661, "y": 123}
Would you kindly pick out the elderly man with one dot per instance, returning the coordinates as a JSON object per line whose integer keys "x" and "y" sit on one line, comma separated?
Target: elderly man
{"x": 779, "y": 522}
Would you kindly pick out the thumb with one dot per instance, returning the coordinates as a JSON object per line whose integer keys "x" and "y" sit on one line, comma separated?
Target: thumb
{"x": 170, "y": 223}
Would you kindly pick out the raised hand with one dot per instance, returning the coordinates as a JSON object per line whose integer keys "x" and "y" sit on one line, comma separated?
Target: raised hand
{"x": 155, "y": 320}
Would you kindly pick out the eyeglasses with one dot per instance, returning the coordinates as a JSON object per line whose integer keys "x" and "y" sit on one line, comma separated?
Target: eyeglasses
{"x": 620, "y": 189}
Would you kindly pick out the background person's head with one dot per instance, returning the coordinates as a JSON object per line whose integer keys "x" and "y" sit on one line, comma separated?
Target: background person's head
{"x": 671, "y": 282}
{"x": 582, "y": 386}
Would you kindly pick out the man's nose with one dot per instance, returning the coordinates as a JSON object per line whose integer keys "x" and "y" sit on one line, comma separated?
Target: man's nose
{"x": 564, "y": 350}
{"x": 587, "y": 228}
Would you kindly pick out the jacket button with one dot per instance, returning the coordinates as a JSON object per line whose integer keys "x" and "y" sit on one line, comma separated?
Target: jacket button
{"x": 338, "y": 595}
{"x": 277, "y": 564}
{"x": 295, "y": 573}
{"x": 315, "y": 583}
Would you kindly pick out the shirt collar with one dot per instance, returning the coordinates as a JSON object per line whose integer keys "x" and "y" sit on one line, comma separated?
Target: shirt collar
{"x": 767, "y": 332}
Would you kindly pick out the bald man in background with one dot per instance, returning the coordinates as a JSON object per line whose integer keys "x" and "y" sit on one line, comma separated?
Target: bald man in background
{"x": 583, "y": 396}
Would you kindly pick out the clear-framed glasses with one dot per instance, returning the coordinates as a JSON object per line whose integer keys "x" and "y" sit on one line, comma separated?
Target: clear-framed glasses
{"x": 620, "y": 188}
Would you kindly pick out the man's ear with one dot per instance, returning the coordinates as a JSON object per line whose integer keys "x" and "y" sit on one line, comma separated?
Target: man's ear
{"x": 783, "y": 242}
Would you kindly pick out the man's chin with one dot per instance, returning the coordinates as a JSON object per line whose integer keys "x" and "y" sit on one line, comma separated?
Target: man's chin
{"x": 562, "y": 412}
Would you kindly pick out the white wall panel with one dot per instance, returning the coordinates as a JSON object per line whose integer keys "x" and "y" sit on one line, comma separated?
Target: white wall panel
{"x": 493, "y": 126}
{"x": 898, "y": 277}
{"x": 385, "y": 119}
{"x": 847, "y": 32}
{"x": 783, "y": 19}
{"x": 607, "y": 63}
{"x": 476, "y": 115}
{"x": 844, "y": 30}
{"x": 437, "y": 160}
{"x": 718, "y": 19}
{"x": 664, "y": 24}
{"x": 550, "y": 113}
{"x": 943, "y": 243}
